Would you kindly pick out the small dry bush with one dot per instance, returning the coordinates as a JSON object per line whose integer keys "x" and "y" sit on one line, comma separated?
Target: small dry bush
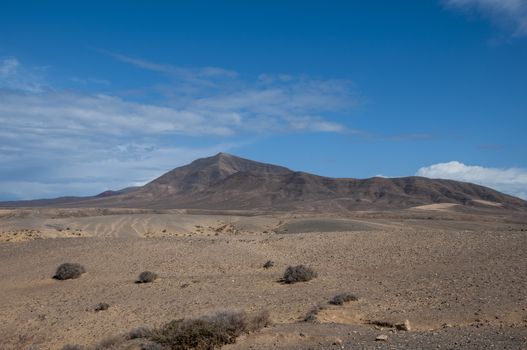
{"x": 311, "y": 315}
{"x": 73, "y": 347}
{"x": 152, "y": 346}
{"x": 101, "y": 307}
{"x": 111, "y": 342}
{"x": 386, "y": 324}
{"x": 68, "y": 271}
{"x": 146, "y": 277}
{"x": 342, "y": 298}
{"x": 299, "y": 273}
{"x": 208, "y": 332}
{"x": 139, "y": 332}
{"x": 268, "y": 264}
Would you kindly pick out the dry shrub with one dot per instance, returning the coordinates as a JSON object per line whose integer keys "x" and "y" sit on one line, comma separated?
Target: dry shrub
{"x": 268, "y": 264}
{"x": 152, "y": 346}
{"x": 299, "y": 273}
{"x": 385, "y": 324}
{"x": 146, "y": 277}
{"x": 73, "y": 347}
{"x": 101, "y": 307}
{"x": 342, "y": 298}
{"x": 208, "y": 332}
{"x": 139, "y": 332}
{"x": 68, "y": 271}
{"x": 311, "y": 315}
{"x": 111, "y": 342}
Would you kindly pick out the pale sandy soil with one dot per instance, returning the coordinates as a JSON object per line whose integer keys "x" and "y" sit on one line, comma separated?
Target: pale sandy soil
{"x": 461, "y": 283}
{"x": 492, "y": 204}
{"x": 436, "y": 206}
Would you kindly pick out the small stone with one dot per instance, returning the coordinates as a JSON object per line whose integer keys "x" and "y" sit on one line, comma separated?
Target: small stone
{"x": 382, "y": 337}
{"x": 338, "y": 342}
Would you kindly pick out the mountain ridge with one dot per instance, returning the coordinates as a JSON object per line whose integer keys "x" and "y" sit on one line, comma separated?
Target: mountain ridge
{"x": 228, "y": 182}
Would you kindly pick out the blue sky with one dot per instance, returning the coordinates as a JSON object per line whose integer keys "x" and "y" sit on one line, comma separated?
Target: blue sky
{"x": 104, "y": 95}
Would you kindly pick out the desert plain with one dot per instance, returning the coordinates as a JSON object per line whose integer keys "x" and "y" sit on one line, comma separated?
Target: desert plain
{"x": 456, "y": 277}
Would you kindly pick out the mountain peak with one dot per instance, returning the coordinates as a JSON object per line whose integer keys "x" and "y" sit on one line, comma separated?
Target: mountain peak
{"x": 217, "y": 158}
{"x": 224, "y": 181}
{"x": 224, "y": 155}
{"x": 203, "y": 173}
{"x": 230, "y": 164}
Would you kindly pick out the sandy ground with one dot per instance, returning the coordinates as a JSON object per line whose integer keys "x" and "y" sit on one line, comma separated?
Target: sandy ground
{"x": 460, "y": 282}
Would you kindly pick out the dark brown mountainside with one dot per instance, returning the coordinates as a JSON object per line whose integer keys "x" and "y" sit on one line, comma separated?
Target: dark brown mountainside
{"x": 228, "y": 182}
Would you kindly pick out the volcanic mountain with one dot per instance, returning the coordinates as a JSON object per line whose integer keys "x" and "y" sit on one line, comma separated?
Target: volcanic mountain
{"x": 227, "y": 182}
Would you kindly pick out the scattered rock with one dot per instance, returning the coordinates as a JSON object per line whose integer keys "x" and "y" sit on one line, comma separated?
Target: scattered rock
{"x": 382, "y": 337}
{"x": 338, "y": 342}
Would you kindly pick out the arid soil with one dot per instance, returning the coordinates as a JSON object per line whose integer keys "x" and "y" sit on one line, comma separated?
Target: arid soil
{"x": 459, "y": 279}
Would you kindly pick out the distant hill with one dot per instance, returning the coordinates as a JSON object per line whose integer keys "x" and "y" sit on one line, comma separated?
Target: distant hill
{"x": 228, "y": 182}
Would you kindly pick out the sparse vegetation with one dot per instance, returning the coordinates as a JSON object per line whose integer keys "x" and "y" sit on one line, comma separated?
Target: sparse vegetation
{"x": 151, "y": 346}
{"x": 268, "y": 264}
{"x": 146, "y": 277}
{"x": 208, "y": 332}
{"x": 404, "y": 326}
{"x": 68, "y": 271}
{"x": 299, "y": 273}
{"x": 101, "y": 307}
{"x": 111, "y": 342}
{"x": 139, "y": 332}
{"x": 311, "y": 315}
{"x": 72, "y": 347}
{"x": 342, "y": 298}
{"x": 384, "y": 324}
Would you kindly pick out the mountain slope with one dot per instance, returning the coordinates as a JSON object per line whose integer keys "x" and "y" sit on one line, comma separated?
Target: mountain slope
{"x": 228, "y": 182}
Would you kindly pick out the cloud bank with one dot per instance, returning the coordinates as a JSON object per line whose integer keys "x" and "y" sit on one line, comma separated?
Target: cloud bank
{"x": 511, "y": 180}
{"x": 510, "y": 15}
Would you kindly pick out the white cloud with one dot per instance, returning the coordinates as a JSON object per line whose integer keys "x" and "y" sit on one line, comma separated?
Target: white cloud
{"x": 86, "y": 81}
{"x": 510, "y": 180}
{"x": 195, "y": 75}
{"x": 15, "y": 77}
{"x": 510, "y": 15}
{"x": 8, "y": 66}
{"x": 65, "y": 171}
{"x": 52, "y": 137}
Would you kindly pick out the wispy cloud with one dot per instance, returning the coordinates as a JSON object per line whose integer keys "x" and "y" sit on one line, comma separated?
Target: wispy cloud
{"x": 71, "y": 171}
{"x": 509, "y": 180}
{"x": 91, "y": 142}
{"x": 196, "y": 75}
{"x": 15, "y": 77}
{"x": 87, "y": 81}
{"x": 509, "y": 15}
